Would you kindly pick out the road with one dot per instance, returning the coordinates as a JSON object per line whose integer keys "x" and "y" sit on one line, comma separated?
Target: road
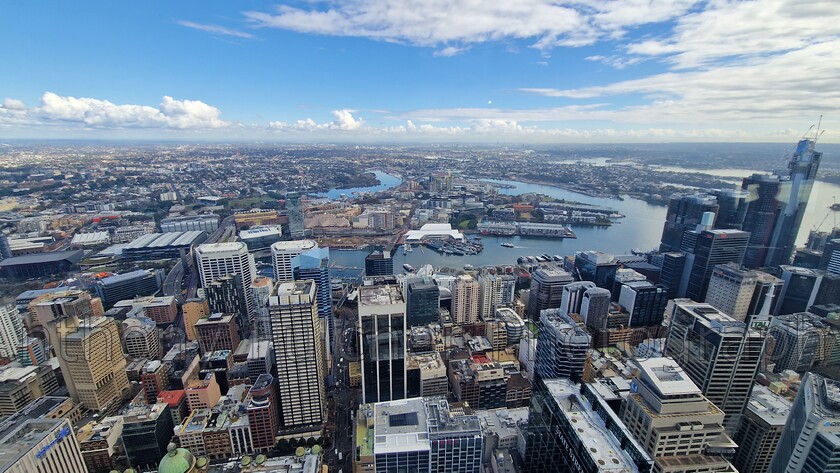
{"x": 174, "y": 283}
{"x": 345, "y": 398}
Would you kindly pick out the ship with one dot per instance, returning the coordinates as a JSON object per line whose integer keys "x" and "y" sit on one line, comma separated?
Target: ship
{"x": 507, "y": 245}
{"x": 835, "y": 206}
{"x": 409, "y": 268}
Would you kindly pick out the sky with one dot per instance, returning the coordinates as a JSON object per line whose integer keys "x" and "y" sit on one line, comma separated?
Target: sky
{"x": 523, "y": 71}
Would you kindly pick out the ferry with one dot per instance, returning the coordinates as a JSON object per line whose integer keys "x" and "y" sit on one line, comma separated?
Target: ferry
{"x": 508, "y": 245}
{"x": 409, "y": 268}
{"x": 835, "y": 206}
{"x": 468, "y": 267}
{"x": 407, "y": 248}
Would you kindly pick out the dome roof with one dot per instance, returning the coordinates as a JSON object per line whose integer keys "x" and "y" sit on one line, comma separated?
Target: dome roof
{"x": 176, "y": 460}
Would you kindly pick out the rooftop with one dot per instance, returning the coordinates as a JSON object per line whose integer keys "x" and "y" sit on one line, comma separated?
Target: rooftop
{"x": 769, "y": 406}
{"x": 666, "y": 376}
{"x": 210, "y": 248}
{"x": 600, "y": 444}
{"x": 51, "y": 257}
{"x": 380, "y": 295}
{"x": 21, "y": 438}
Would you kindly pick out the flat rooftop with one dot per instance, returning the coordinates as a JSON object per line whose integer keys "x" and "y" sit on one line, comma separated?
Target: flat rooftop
{"x": 380, "y": 295}
{"x": 667, "y": 376}
{"x": 768, "y": 405}
{"x": 17, "y": 439}
{"x": 600, "y": 444}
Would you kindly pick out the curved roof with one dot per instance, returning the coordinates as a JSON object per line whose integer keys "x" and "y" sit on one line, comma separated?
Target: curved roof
{"x": 177, "y": 460}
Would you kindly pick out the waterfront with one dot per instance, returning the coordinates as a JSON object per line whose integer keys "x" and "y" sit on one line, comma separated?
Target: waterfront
{"x": 640, "y": 230}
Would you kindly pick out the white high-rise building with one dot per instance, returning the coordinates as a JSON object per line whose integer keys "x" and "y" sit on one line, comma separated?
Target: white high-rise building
{"x": 282, "y": 253}
{"x": 494, "y": 293}
{"x": 731, "y": 290}
{"x": 298, "y": 340}
{"x": 216, "y": 260}
{"x": 466, "y": 300}
{"x": 11, "y": 331}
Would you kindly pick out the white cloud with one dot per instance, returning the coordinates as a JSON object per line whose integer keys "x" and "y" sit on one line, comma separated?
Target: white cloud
{"x": 12, "y": 104}
{"x": 454, "y": 24}
{"x": 97, "y": 113}
{"x": 216, "y": 29}
{"x": 344, "y": 121}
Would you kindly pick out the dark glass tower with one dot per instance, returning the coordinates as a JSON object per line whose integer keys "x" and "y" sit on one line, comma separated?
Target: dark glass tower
{"x": 777, "y": 206}
{"x": 423, "y": 302}
{"x": 685, "y": 212}
{"x": 713, "y": 247}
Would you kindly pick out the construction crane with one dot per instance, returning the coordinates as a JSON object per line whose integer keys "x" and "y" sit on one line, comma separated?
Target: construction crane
{"x": 831, "y": 210}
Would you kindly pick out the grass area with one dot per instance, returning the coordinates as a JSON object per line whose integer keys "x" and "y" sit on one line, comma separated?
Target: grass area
{"x": 532, "y": 327}
{"x": 246, "y": 203}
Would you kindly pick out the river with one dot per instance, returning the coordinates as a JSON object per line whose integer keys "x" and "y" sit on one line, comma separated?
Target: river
{"x": 641, "y": 229}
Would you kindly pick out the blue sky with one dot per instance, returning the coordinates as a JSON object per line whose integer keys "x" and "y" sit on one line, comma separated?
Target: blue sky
{"x": 420, "y": 70}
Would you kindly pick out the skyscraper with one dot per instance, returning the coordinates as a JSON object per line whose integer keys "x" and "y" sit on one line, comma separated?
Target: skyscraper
{"x": 566, "y": 432}
{"x": 466, "y": 300}
{"x": 810, "y": 438}
{"x": 261, "y": 410}
{"x": 295, "y": 209}
{"x": 282, "y": 253}
{"x": 314, "y": 264}
{"x": 227, "y": 296}
{"x": 561, "y": 347}
{"x": 493, "y": 292}
{"x": 547, "y": 290}
{"x": 299, "y": 348}
{"x": 379, "y": 263}
{"x": 423, "y": 302}
{"x": 88, "y": 349}
{"x": 644, "y": 301}
{"x": 685, "y": 212}
{"x": 12, "y": 331}
{"x": 720, "y": 354}
{"x": 595, "y": 307}
{"x": 713, "y": 247}
{"x": 572, "y": 299}
{"x": 216, "y": 260}
{"x": 799, "y": 291}
{"x": 382, "y": 333}
{"x": 677, "y": 425}
{"x": 731, "y": 289}
{"x": 761, "y": 428}
{"x": 777, "y": 206}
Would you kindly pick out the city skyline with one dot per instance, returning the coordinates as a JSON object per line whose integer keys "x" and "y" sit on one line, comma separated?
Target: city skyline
{"x": 379, "y": 71}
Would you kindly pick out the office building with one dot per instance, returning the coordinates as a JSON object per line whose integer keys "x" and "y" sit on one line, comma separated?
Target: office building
{"x": 733, "y": 208}
{"x": 12, "y": 331}
{"x": 217, "y": 260}
{"x": 800, "y": 341}
{"x": 147, "y": 431}
{"x": 203, "y": 393}
{"x": 799, "y": 291}
{"x": 712, "y": 247}
{"x": 163, "y": 310}
{"x": 685, "y": 213}
{"x": 809, "y": 441}
{"x": 547, "y": 290}
{"x": 426, "y": 375}
{"x": 294, "y": 207}
{"x": 100, "y": 443}
{"x": 418, "y": 434}
{"x": 226, "y": 295}
{"x": 379, "y": 263}
{"x": 731, "y": 290}
{"x": 315, "y": 265}
{"x": 644, "y": 301}
{"x": 297, "y": 335}
{"x": 31, "y": 352}
{"x": 496, "y": 290}
{"x": 765, "y": 298}
{"x": 568, "y": 432}
{"x": 260, "y": 357}
{"x": 217, "y": 332}
{"x": 194, "y": 310}
{"x": 140, "y": 338}
{"x": 142, "y": 282}
{"x": 422, "y": 302}
{"x": 466, "y": 300}
{"x": 561, "y": 347}
{"x": 512, "y": 323}
{"x": 595, "y": 266}
{"x": 88, "y": 348}
{"x": 261, "y": 409}
{"x": 831, "y": 256}
{"x": 260, "y": 324}
{"x": 19, "y": 387}
{"x": 776, "y": 208}
{"x": 382, "y": 334}
{"x": 478, "y": 382}
{"x": 623, "y": 276}
{"x": 154, "y": 379}
{"x": 721, "y": 355}
{"x": 43, "y": 445}
{"x": 676, "y": 424}
{"x": 761, "y": 428}
{"x": 672, "y": 267}
{"x": 829, "y": 288}
{"x": 282, "y": 253}
{"x": 572, "y": 299}
{"x": 595, "y": 307}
